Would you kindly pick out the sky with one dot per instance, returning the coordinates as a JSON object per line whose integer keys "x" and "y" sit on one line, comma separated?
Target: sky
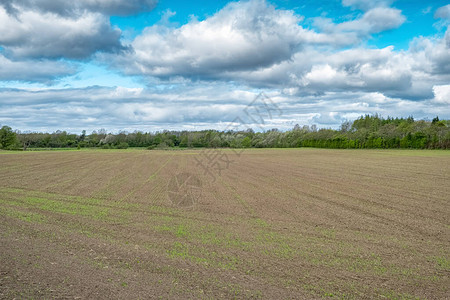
{"x": 149, "y": 65}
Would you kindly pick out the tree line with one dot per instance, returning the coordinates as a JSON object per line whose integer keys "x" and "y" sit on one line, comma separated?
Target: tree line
{"x": 369, "y": 131}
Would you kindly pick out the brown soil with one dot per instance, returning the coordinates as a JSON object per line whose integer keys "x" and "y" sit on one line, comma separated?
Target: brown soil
{"x": 279, "y": 224}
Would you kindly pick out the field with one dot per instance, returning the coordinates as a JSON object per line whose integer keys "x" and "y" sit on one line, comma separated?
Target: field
{"x": 273, "y": 223}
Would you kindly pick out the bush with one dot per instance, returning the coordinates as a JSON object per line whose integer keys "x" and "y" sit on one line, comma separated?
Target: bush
{"x": 122, "y": 145}
{"x": 8, "y": 139}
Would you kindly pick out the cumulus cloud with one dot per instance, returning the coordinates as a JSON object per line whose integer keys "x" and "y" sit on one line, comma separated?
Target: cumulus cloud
{"x": 43, "y": 71}
{"x": 442, "y": 94}
{"x": 36, "y": 35}
{"x": 366, "y": 4}
{"x": 375, "y": 20}
{"x": 359, "y": 70}
{"x": 198, "y": 106}
{"x": 118, "y": 108}
{"x": 256, "y": 44}
{"x": 443, "y": 12}
{"x": 242, "y": 36}
{"x": 330, "y": 118}
{"x": 249, "y": 36}
{"x": 66, "y": 8}
{"x": 207, "y": 70}
{"x": 309, "y": 72}
{"x": 409, "y": 74}
{"x": 434, "y": 53}
{"x": 55, "y": 29}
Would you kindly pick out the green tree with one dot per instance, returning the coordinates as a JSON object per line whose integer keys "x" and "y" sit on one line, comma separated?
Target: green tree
{"x": 8, "y": 138}
{"x": 247, "y": 142}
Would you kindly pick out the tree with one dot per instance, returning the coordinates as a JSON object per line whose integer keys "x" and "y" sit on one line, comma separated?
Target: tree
{"x": 82, "y": 136}
{"x": 8, "y": 138}
{"x": 365, "y": 132}
{"x": 346, "y": 127}
{"x": 29, "y": 139}
{"x": 247, "y": 142}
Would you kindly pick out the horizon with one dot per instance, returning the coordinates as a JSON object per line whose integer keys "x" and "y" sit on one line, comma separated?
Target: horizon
{"x": 150, "y": 66}
{"x": 302, "y": 126}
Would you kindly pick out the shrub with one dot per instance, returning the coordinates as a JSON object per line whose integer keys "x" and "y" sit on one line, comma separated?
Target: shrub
{"x": 122, "y": 145}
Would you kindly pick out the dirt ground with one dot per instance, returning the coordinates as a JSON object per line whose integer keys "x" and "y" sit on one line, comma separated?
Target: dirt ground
{"x": 272, "y": 224}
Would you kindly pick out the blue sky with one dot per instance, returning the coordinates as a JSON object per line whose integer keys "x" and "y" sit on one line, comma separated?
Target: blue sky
{"x": 152, "y": 65}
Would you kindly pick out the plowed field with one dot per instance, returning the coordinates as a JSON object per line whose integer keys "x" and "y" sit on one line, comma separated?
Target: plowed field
{"x": 273, "y": 223}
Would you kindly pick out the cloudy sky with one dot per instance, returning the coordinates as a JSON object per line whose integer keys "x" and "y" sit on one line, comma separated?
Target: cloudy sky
{"x": 174, "y": 64}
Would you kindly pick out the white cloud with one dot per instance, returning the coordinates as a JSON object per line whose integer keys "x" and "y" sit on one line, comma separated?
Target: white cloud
{"x": 443, "y": 12}
{"x": 323, "y": 75}
{"x": 442, "y": 94}
{"x": 207, "y": 71}
{"x": 124, "y": 92}
{"x": 38, "y": 37}
{"x": 43, "y": 71}
{"x": 62, "y": 7}
{"x": 330, "y": 118}
{"x": 434, "y": 53}
{"x": 197, "y": 106}
{"x": 246, "y": 41}
{"x": 242, "y": 36}
{"x": 32, "y": 34}
{"x": 409, "y": 74}
{"x": 366, "y": 4}
{"x": 375, "y": 20}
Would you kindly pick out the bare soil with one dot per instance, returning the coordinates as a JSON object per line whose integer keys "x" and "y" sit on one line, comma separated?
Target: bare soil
{"x": 274, "y": 223}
